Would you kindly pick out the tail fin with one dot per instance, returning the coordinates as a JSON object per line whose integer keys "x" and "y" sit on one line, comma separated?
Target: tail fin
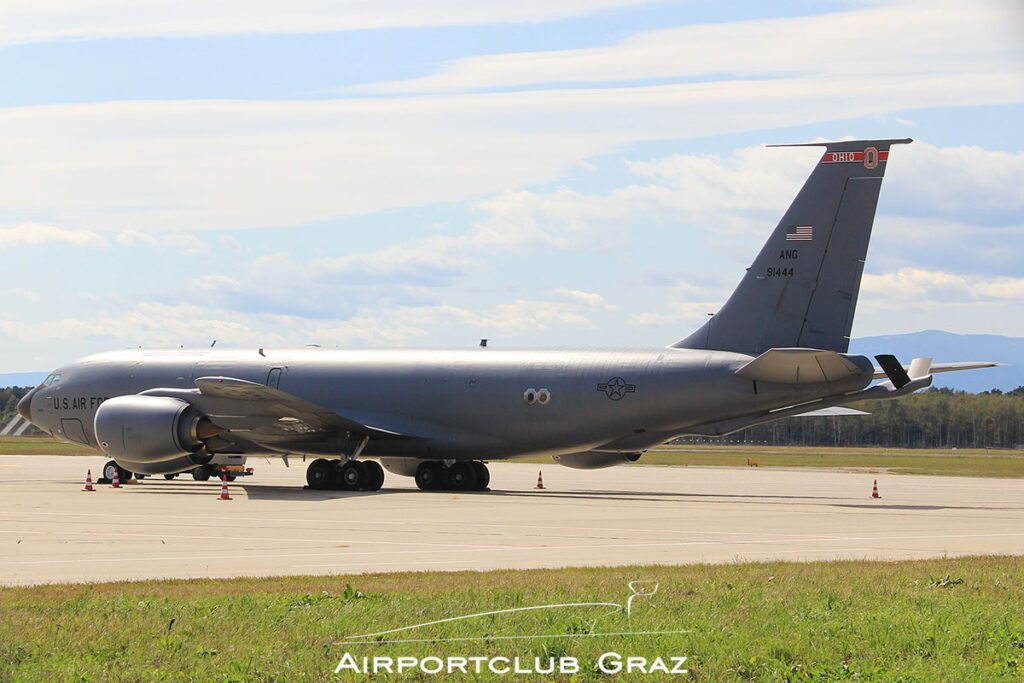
{"x": 802, "y": 289}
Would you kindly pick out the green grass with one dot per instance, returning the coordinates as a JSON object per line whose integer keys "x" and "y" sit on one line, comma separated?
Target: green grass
{"x": 946, "y": 620}
{"x": 40, "y": 445}
{"x": 964, "y": 462}
{"x": 961, "y": 463}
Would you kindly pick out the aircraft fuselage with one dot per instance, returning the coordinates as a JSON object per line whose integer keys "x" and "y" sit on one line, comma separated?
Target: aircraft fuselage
{"x": 455, "y": 404}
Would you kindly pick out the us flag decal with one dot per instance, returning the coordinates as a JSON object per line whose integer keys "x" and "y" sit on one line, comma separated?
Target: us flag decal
{"x": 800, "y": 233}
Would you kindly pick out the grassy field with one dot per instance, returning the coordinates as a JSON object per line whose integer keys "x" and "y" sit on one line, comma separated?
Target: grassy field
{"x": 40, "y": 445}
{"x": 951, "y": 619}
{"x": 964, "y": 462}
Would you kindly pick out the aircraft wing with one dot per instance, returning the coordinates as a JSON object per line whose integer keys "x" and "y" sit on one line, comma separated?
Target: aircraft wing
{"x": 267, "y": 415}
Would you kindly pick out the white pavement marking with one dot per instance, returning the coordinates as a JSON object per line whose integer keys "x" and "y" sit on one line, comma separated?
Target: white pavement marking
{"x": 624, "y": 515}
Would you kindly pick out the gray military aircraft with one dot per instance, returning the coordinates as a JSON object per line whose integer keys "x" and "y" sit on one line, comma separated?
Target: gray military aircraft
{"x": 776, "y": 349}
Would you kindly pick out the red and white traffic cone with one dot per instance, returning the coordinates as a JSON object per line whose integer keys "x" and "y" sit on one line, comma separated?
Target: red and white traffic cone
{"x": 224, "y": 488}
{"x": 540, "y": 480}
{"x": 874, "y": 490}
{"x": 88, "y": 481}
{"x": 115, "y": 484}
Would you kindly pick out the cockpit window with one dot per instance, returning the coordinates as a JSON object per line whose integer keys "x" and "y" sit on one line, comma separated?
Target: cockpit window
{"x": 52, "y": 379}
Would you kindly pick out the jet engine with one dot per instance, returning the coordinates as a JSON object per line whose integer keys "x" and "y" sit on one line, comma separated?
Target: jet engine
{"x": 594, "y": 460}
{"x": 154, "y": 434}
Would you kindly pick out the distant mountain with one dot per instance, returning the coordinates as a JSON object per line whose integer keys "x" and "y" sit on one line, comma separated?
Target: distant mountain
{"x": 942, "y": 346}
{"x": 947, "y": 347}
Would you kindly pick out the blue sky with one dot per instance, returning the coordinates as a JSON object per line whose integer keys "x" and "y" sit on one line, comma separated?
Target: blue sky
{"x": 556, "y": 173}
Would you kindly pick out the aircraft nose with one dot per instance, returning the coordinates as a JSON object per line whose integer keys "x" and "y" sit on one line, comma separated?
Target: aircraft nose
{"x": 25, "y": 405}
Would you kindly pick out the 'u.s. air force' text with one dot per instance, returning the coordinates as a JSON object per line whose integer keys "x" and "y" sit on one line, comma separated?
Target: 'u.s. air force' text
{"x": 78, "y": 402}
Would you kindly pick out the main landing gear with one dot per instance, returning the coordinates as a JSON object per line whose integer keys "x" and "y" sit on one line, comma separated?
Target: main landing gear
{"x": 341, "y": 475}
{"x": 464, "y": 475}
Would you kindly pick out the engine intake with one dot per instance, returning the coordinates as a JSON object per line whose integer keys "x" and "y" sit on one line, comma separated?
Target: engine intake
{"x": 154, "y": 434}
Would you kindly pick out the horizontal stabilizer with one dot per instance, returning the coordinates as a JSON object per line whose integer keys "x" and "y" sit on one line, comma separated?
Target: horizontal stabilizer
{"x": 947, "y": 367}
{"x": 799, "y": 366}
{"x": 834, "y": 410}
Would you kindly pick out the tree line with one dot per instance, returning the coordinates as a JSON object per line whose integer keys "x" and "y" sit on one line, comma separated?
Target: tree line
{"x": 9, "y": 398}
{"x": 933, "y": 418}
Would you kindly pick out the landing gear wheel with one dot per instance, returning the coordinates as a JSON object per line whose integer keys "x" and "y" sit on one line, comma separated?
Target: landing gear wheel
{"x": 374, "y": 475}
{"x": 231, "y": 476}
{"x": 429, "y": 476}
{"x": 483, "y": 476}
{"x": 319, "y": 475}
{"x": 353, "y": 475}
{"x": 462, "y": 477}
{"x": 201, "y": 473}
{"x": 140, "y": 477}
{"x": 170, "y": 476}
{"x": 109, "y": 469}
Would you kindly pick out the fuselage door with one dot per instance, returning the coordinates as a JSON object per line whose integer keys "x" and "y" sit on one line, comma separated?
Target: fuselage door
{"x": 274, "y": 378}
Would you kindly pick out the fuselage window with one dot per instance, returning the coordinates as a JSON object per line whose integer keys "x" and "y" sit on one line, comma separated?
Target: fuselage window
{"x": 52, "y": 379}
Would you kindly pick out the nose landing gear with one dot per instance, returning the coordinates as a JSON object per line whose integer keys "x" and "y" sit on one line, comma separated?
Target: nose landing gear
{"x": 464, "y": 475}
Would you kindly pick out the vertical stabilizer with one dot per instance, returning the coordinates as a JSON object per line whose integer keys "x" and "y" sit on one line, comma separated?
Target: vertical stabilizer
{"x": 801, "y": 290}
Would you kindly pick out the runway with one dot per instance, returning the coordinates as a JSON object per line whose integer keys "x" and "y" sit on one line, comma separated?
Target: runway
{"x": 52, "y": 531}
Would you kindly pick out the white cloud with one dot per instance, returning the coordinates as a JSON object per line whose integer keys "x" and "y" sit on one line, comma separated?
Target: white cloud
{"x": 910, "y": 285}
{"x": 32, "y": 234}
{"x": 159, "y": 166}
{"x": 29, "y": 22}
{"x": 231, "y": 243}
{"x": 945, "y": 38}
{"x": 215, "y": 282}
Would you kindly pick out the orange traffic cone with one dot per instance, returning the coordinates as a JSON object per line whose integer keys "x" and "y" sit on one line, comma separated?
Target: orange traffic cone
{"x": 540, "y": 480}
{"x": 224, "y": 488}
{"x": 88, "y": 481}
{"x": 115, "y": 484}
{"x": 874, "y": 490}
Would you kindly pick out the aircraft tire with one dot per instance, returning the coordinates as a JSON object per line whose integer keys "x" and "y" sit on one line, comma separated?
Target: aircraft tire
{"x": 483, "y": 476}
{"x": 352, "y": 475}
{"x": 319, "y": 475}
{"x": 462, "y": 477}
{"x": 374, "y": 475}
{"x": 430, "y": 476}
{"x": 170, "y": 476}
{"x": 201, "y": 473}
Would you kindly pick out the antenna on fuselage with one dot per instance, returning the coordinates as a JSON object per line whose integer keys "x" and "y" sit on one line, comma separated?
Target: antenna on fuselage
{"x": 483, "y": 343}
{"x": 213, "y": 344}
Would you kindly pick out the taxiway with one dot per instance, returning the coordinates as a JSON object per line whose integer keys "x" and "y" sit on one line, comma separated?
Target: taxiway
{"x": 52, "y": 531}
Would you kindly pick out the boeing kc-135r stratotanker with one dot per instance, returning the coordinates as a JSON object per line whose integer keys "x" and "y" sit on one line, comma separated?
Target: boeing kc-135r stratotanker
{"x": 777, "y": 348}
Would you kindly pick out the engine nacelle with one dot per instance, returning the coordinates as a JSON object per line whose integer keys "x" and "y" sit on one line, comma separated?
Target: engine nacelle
{"x": 594, "y": 460}
{"x": 153, "y": 434}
